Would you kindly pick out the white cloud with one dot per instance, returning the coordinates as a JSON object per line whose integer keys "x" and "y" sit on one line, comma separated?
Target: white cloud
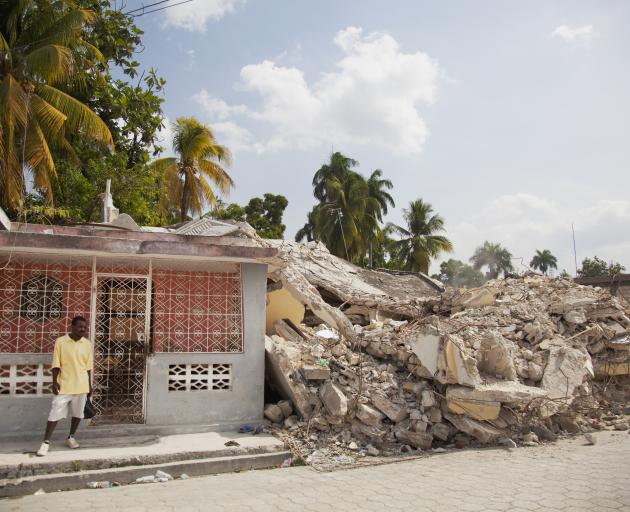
{"x": 576, "y": 36}
{"x": 165, "y": 137}
{"x": 217, "y": 108}
{"x": 524, "y": 223}
{"x": 194, "y": 16}
{"x": 372, "y": 97}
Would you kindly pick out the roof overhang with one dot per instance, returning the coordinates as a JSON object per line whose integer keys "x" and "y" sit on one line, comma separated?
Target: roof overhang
{"x": 194, "y": 247}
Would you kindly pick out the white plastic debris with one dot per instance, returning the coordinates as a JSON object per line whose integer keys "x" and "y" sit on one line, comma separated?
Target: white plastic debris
{"x": 145, "y": 479}
{"x": 162, "y": 475}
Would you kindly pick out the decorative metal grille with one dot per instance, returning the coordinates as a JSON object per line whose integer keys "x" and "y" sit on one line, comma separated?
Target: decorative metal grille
{"x": 25, "y": 379}
{"x": 39, "y": 296}
{"x": 197, "y": 311}
{"x": 120, "y": 349}
{"x": 200, "y": 377}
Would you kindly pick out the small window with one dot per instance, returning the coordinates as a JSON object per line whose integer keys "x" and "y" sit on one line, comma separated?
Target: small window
{"x": 41, "y": 298}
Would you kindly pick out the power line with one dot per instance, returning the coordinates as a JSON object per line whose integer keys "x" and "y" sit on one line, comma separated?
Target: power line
{"x": 143, "y": 11}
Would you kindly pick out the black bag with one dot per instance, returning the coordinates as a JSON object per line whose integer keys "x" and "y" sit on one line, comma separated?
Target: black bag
{"x": 89, "y": 411}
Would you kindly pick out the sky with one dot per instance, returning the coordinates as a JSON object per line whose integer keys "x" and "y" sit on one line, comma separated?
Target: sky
{"x": 511, "y": 118}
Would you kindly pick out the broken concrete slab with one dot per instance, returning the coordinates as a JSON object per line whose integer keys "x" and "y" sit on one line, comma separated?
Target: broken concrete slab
{"x": 484, "y": 433}
{"x": 281, "y": 362}
{"x": 460, "y": 363}
{"x": 567, "y": 367}
{"x": 393, "y": 411}
{"x": 420, "y": 440}
{"x": 315, "y": 372}
{"x": 333, "y": 399}
{"x": 496, "y": 356}
{"x": 506, "y": 392}
{"x": 426, "y": 348}
{"x": 369, "y": 415}
{"x": 479, "y": 410}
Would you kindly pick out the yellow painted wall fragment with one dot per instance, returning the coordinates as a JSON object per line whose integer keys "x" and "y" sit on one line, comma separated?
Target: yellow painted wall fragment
{"x": 280, "y": 305}
{"x": 476, "y": 410}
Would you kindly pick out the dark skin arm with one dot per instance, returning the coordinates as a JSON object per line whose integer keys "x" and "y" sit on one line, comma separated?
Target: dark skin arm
{"x": 55, "y": 384}
{"x": 90, "y": 381}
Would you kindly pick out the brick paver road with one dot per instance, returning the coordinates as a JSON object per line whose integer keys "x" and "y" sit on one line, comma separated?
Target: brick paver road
{"x": 568, "y": 476}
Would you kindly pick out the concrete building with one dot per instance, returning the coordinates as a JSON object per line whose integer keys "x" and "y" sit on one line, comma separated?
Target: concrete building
{"x": 618, "y": 285}
{"x": 176, "y": 316}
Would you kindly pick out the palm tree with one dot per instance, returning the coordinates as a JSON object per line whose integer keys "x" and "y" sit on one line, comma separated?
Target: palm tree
{"x": 377, "y": 189}
{"x": 348, "y": 220}
{"x": 543, "y": 261}
{"x": 496, "y": 258}
{"x": 42, "y": 52}
{"x": 339, "y": 167}
{"x": 308, "y": 230}
{"x": 185, "y": 181}
{"x": 419, "y": 241}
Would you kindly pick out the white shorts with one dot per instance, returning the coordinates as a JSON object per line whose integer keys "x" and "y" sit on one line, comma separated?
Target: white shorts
{"x": 64, "y": 404}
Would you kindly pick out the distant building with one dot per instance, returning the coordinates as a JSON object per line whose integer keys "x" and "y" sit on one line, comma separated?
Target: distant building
{"x": 618, "y": 285}
{"x": 177, "y": 318}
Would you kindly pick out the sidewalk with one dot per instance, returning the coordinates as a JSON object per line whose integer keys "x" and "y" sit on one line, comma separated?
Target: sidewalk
{"x": 125, "y": 458}
{"x": 567, "y": 476}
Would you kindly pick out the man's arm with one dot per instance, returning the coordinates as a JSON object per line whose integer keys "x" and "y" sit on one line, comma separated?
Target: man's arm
{"x": 55, "y": 384}
{"x": 90, "y": 382}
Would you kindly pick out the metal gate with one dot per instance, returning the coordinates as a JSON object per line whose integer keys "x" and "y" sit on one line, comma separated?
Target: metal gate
{"x": 121, "y": 345}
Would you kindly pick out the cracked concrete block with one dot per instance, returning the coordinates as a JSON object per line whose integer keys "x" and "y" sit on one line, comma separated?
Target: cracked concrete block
{"x": 496, "y": 356}
{"x": 484, "y": 433}
{"x": 420, "y": 440}
{"x": 393, "y": 411}
{"x": 369, "y": 415}
{"x": 333, "y": 399}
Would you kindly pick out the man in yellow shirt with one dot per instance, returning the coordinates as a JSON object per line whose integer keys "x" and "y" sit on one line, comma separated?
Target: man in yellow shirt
{"x": 72, "y": 381}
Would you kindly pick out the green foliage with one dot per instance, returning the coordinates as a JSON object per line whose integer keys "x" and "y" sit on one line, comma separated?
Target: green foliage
{"x": 458, "y": 274}
{"x": 597, "y": 267}
{"x": 496, "y": 258}
{"x": 185, "y": 180}
{"x": 419, "y": 242}
{"x": 264, "y": 215}
{"x": 45, "y": 57}
{"x": 544, "y": 261}
{"x": 350, "y": 209}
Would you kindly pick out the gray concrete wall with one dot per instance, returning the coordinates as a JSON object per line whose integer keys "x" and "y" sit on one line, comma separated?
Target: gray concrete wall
{"x": 244, "y": 402}
{"x": 27, "y": 413}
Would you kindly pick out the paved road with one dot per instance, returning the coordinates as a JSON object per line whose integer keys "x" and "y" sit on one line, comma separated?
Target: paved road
{"x": 566, "y": 476}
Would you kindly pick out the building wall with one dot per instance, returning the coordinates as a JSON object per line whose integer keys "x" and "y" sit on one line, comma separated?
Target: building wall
{"x": 243, "y": 402}
{"x": 229, "y": 394}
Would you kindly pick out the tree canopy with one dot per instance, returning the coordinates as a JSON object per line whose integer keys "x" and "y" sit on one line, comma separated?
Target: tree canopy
{"x": 419, "y": 241}
{"x": 45, "y": 55}
{"x": 544, "y": 261}
{"x": 497, "y": 259}
{"x": 458, "y": 274}
{"x": 597, "y": 267}
{"x": 263, "y": 214}
{"x": 348, "y": 216}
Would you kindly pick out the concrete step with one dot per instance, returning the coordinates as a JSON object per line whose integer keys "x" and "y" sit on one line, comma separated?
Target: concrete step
{"x": 127, "y": 474}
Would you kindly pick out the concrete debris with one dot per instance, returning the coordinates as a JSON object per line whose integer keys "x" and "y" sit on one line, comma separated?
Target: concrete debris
{"x": 333, "y": 399}
{"x": 384, "y": 364}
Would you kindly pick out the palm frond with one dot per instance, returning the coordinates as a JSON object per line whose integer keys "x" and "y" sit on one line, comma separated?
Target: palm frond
{"x": 53, "y": 63}
{"x": 80, "y": 117}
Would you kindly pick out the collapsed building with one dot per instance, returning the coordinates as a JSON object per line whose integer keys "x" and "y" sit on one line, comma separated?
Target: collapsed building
{"x": 378, "y": 363}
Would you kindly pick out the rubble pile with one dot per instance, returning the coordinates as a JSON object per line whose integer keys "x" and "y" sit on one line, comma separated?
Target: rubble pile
{"x": 521, "y": 359}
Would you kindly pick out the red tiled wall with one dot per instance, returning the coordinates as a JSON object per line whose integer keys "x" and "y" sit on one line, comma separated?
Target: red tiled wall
{"x": 24, "y": 332}
{"x": 197, "y": 312}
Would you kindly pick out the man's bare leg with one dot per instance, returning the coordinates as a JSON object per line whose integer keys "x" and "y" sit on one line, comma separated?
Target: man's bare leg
{"x": 74, "y": 425}
{"x": 50, "y": 428}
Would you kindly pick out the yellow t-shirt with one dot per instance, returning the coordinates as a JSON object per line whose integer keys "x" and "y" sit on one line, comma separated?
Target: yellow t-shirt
{"x": 74, "y": 359}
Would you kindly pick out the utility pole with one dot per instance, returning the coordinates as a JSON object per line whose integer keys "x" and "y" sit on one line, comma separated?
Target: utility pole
{"x": 574, "y": 251}
{"x": 337, "y": 211}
